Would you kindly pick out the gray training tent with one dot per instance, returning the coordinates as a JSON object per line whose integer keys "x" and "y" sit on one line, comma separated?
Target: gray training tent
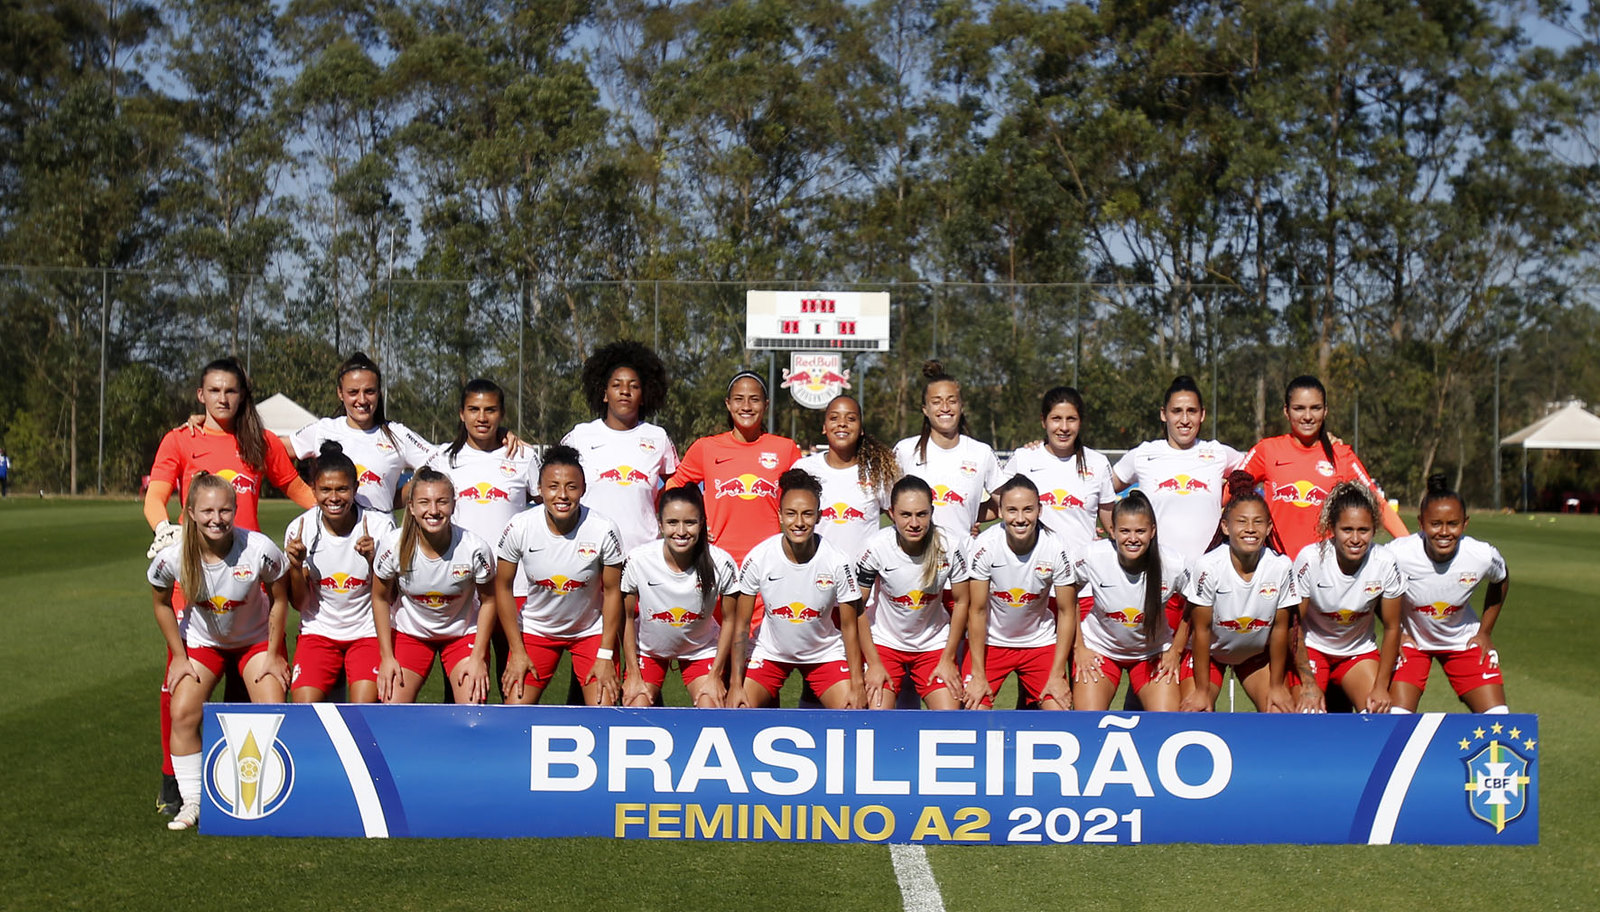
{"x": 1570, "y": 427}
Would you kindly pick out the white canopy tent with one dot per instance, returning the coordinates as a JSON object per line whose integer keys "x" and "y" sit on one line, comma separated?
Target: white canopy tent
{"x": 283, "y": 416}
{"x": 1570, "y": 427}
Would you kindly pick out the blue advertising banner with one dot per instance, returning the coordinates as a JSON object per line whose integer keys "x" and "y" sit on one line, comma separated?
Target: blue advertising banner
{"x": 972, "y": 778}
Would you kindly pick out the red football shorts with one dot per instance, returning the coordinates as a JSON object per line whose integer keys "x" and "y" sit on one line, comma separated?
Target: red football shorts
{"x": 920, "y": 665}
{"x": 416, "y": 655}
{"x": 771, "y": 674}
{"x": 1332, "y": 669}
{"x": 318, "y": 661}
{"x": 653, "y": 671}
{"x": 1467, "y": 669}
{"x": 545, "y": 652}
{"x": 217, "y": 660}
{"x": 1031, "y": 664}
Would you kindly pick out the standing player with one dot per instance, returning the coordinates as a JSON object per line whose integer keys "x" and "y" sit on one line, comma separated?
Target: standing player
{"x": 231, "y": 443}
{"x": 1299, "y": 468}
{"x": 1130, "y": 578}
{"x": 672, "y": 606}
{"x": 962, "y": 472}
{"x": 1241, "y": 595}
{"x": 426, "y": 574}
{"x": 1016, "y": 566}
{"x": 739, "y": 470}
{"x": 381, "y": 449}
{"x": 571, "y": 559}
{"x": 1181, "y": 474}
{"x": 228, "y": 622}
{"x": 1074, "y": 481}
{"x": 1342, "y": 581}
{"x": 1442, "y": 565}
{"x": 915, "y": 584}
{"x": 330, "y": 549}
{"x": 625, "y": 457}
{"x": 812, "y": 606}
{"x": 856, "y": 471}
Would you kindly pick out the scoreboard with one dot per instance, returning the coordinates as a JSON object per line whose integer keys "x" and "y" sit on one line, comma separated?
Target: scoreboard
{"x": 817, "y": 320}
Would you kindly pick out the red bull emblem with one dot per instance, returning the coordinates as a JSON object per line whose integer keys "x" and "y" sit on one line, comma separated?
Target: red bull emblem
{"x": 588, "y": 550}
{"x": 1044, "y": 570}
{"x": 341, "y": 582}
{"x": 747, "y": 487}
{"x": 824, "y": 581}
{"x": 969, "y": 468}
{"x": 242, "y": 484}
{"x": 243, "y": 573}
{"x": 365, "y": 476}
{"x": 460, "y": 571}
{"x": 769, "y": 460}
{"x": 433, "y": 600}
{"x": 1183, "y": 484}
{"x": 1324, "y": 468}
{"x": 1439, "y": 611}
{"x": 1206, "y": 454}
{"x": 915, "y": 600}
{"x": 560, "y": 585}
{"x": 1267, "y": 591}
{"x": 647, "y": 447}
{"x": 841, "y": 513}
{"x": 794, "y": 612}
{"x": 483, "y": 493}
{"x": 1244, "y": 624}
{"x": 1344, "y": 617}
{"x": 383, "y": 446}
{"x": 945, "y": 497}
{"x": 220, "y": 605}
{"x": 1371, "y": 588}
{"x": 807, "y": 614}
{"x": 1017, "y": 598}
{"x": 676, "y": 617}
{"x": 1300, "y": 494}
{"x": 1127, "y": 617}
{"x": 815, "y": 378}
{"x": 624, "y": 476}
{"x": 1467, "y": 579}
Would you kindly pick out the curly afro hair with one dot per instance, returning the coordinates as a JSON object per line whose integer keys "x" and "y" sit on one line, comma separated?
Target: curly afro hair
{"x": 597, "y": 371}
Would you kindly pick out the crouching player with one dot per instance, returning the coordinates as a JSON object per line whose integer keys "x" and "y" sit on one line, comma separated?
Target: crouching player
{"x": 914, "y": 625}
{"x": 1013, "y": 623}
{"x": 228, "y": 622}
{"x": 1442, "y": 566}
{"x": 1241, "y": 595}
{"x": 672, "y": 598}
{"x": 812, "y": 608}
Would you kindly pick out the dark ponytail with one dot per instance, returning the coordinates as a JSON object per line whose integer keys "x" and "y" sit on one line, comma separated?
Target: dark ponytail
{"x": 1149, "y": 563}
{"x": 1242, "y": 489}
{"x": 1308, "y": 382}
{"x": 1439, "y": 489}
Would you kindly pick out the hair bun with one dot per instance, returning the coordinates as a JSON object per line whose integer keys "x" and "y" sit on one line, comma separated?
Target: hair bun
{"x": 330, "y": 448}
{"x": 933, "y": 370}
{"x": 1438, "y": 484}
{"x": 1239, "y": 483}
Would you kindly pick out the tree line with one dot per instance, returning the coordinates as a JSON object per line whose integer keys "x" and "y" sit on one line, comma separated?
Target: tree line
{"x": 1395, "y": 196}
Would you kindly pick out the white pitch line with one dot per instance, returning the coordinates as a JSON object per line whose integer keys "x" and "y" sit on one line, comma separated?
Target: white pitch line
{"x": 917, "y": 887}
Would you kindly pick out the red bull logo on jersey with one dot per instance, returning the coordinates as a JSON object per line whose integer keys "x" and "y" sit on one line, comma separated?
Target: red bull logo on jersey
{"x": 945, "y": 497}
{"x": 483, "y": 493}
{"x": 1372, "y": 589}
{"x": 1183, "y": 484}
{"x": 915, "y": 600}
{"x": 1267, "y": 591}
{"x": 220, "y": 605}
{"x": 560, "y": 585}
{"x": 341, "y": 582}
{"x": 1244, "y": 625}
{"x": 824, "y": 581}
{"x": 460, "y": 571}
{"x": 1439, "y": 611}
{"x": 747, "y": 487}
{"x": 647, "y": 447}
{"x": 769, "y": 460}
{"x": 1344, "y": 617}
{"x": 1059, "y": 499}
{"x": 1016, "y": 598}
{"x": 508, "y": 470}
{"x": 624, "y": 475}
{"x": 1468, "y": 579}
{"x": 676, "y": 617}
{"x": 433, "y": 600}
{"x": 1324, "y": 468}
{"x": 841, "y": 513}
{"x": 365, "y": 476}
{"x": 1127, "y": 617}
{"x": 794, "y": 612}
{"x": 244, "y": 574}
{"x": 382, "y": 445}
{"x": 1300, "y": 494}
{"x": 242, "y": 484}
{"x": 969, "y": 468}
{"x": 588, "y": 550}
{"x": 1044, "y": 570}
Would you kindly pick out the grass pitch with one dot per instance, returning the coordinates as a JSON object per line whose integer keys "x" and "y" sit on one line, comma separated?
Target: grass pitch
{"x": 80, "y": 668}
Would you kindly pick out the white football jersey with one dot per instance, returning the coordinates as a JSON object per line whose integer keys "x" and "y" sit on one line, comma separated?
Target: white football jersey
{"x": 380, "y": 457}
{"x": 849, "y": 510}
{"x": 904, "y": 614}
{"x": 1185, "y": 487}
{"x": 1338, "y": 621}
{"x": 962, "y": 477}
{"x": 1242, "y": 611}
{"x": 1114, "y": 627}
{"x": 800, "y": 623}
{"x": 1437, "y": 606}
{"x": 677, "y": 619}
{"x": 622, "y": 470}
{"x": 563, "y": 572}
{"x": 1069, "y": 503}
{"x": 1020, "y": 586}
{"x": 437, "y": 595}
{"x": 339, "y": 598}
{"x": 234, "y": 614}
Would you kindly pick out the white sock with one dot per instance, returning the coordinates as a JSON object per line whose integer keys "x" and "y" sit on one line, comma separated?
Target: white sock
{"x": 1500, "y": 710}
{"x": 186, "y": 768}
{"x": 1399, "y": 711}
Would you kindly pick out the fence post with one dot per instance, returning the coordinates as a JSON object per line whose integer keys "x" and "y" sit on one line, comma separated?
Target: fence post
{"x": 100, "y": 458}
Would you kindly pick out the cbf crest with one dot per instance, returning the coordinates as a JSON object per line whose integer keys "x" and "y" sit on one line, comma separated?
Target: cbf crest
{"x": 1498, "y": 774}
{"x": 249, "y": 773}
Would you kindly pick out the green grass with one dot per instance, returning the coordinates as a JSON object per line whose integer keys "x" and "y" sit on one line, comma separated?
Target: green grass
{"x": 80, "y": 665}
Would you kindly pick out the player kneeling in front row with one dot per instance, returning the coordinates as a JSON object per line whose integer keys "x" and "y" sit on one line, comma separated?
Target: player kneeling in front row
{"x": 812, "y": 607}
{"x": 1013, "y": 623}
{"x": 1135, "y": 586}
{"x": 1442, "y": 566}
{"x": 672, "y": 606}
{"x": 1240, "y": 594}
{"x": 229, "y": 622}
{"x": 572, "y": 559}
{"x": 918, "y": 583}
